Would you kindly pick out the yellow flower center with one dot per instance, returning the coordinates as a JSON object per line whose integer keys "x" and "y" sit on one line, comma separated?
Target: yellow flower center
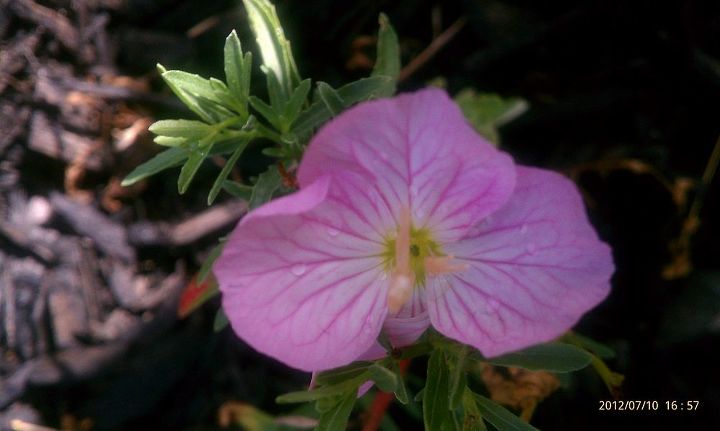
{"x": 410, "y": 255}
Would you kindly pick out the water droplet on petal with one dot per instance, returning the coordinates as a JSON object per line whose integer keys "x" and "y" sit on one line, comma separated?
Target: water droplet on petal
{"x": 523, "y": 229}
{"x": 333, "y": 232}
{"x": 298, "y": 269}
{"x": 531, "y": 247}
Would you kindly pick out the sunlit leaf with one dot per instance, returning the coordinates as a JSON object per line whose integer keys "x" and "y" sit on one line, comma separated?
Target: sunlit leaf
{"x": 237, "y": 68}
{"x": 188, "y": 129}
{"x": 161, "y": 161}
{"x": 274, "y": 47}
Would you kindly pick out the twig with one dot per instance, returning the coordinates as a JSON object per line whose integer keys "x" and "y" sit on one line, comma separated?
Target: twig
{"x": 432, "y": 49}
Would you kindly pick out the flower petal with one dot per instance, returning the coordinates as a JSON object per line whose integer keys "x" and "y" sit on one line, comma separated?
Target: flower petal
{"x": 418, "y": 152}
{"x": 535, "y": 267}
{"x": 301, "y": 284}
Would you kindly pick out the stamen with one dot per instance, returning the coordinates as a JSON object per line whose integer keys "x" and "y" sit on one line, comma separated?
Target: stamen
{"x": 443, "y": 264}
{"x": 403, "y": 278}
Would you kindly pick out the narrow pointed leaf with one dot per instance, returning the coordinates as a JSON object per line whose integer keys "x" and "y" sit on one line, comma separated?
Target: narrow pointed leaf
{"x": 238, "y": 190}
{"x": 358, "y": 91}
{"x": 340, "y": 388}
{"x": 385, "y": 379}
{"x": 237, "y": 68}
{"x": 267, "y": 183}
{"x": 265, "y": 110}
{"x": 473, "y": 420}
{"x": 188, "y": 129}
{"x": 336, "y": 419}
{"x": 190, "y": 168}
{"x": 274, "y": 47}
{"x": 387, "y": 62}
{"x": 207, "y": 264}
{"x": 229, "y": 164}
{"x": 168, "y": 141}
{"x": 221, "y": 321}
{"x": 500, "y": 417}
{"x": 332, "y": 100}
{"x": 554, "y": 357}
{"x": 298, "y": 98}
{"x": 435, "y": 395}
{"x": 458, "y": 379}
{"x": 339, "y": 375}
{"x": 161, "y": 161}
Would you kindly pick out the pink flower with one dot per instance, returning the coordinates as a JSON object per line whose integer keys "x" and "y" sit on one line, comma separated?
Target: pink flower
{"x": 407, "y": 218}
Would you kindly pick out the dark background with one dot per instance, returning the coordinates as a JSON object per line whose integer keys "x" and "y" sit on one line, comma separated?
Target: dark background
{"x": 623, "y": 97}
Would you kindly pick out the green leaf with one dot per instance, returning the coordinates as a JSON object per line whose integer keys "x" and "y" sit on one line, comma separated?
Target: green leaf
{"x": 265, "y": 110}
{"x": 277, "y": 101}
{"x": 267, "y": 183}
{"x": 355, "y": 92}
{"x": 385, "y": 379}
{"x": 387, "y": 62}
{"x": 458, "y": 379}
{"x": 298, "y": 98}
{"x": 168, "y": 141}
{"x": 587, "y": 343}
{"x": 251, "y": 418}
{"x": 190, "y": 168}
{"x": 336, "y": 419}
{"x": 274, "y": 47}
{"x": 237, "y": 190}
{"x": 161, "y": 161}
{"x": 221, "y": 321}
{"x": 220, "y": 180}
{"x": 488, "y": 112}
{"x": 554, "y": 357}
{"x": 339, "y": 375}
{"x": 500, "y": 417}
{"x": 473, "y": 418}
{"x": 187, "y": 129}
{"x": 435, "y": 396}
{"x": 341, "y": 388}
{"x": 401, "y": 393}
{"x": 207, "y": 264}
{"x": 197, "y": 93}
{"x": 332, "y": 100}
{"x": 237, "y": 68}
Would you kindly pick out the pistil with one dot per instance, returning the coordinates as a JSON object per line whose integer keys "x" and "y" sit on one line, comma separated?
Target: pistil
{"x": 403, "y": 278}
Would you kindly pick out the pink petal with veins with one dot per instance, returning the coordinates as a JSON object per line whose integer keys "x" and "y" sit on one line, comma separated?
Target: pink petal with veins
{"x": 415, "y": 151}
{"x": 300, "y": 284}
{"x": 535, "y": 266}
